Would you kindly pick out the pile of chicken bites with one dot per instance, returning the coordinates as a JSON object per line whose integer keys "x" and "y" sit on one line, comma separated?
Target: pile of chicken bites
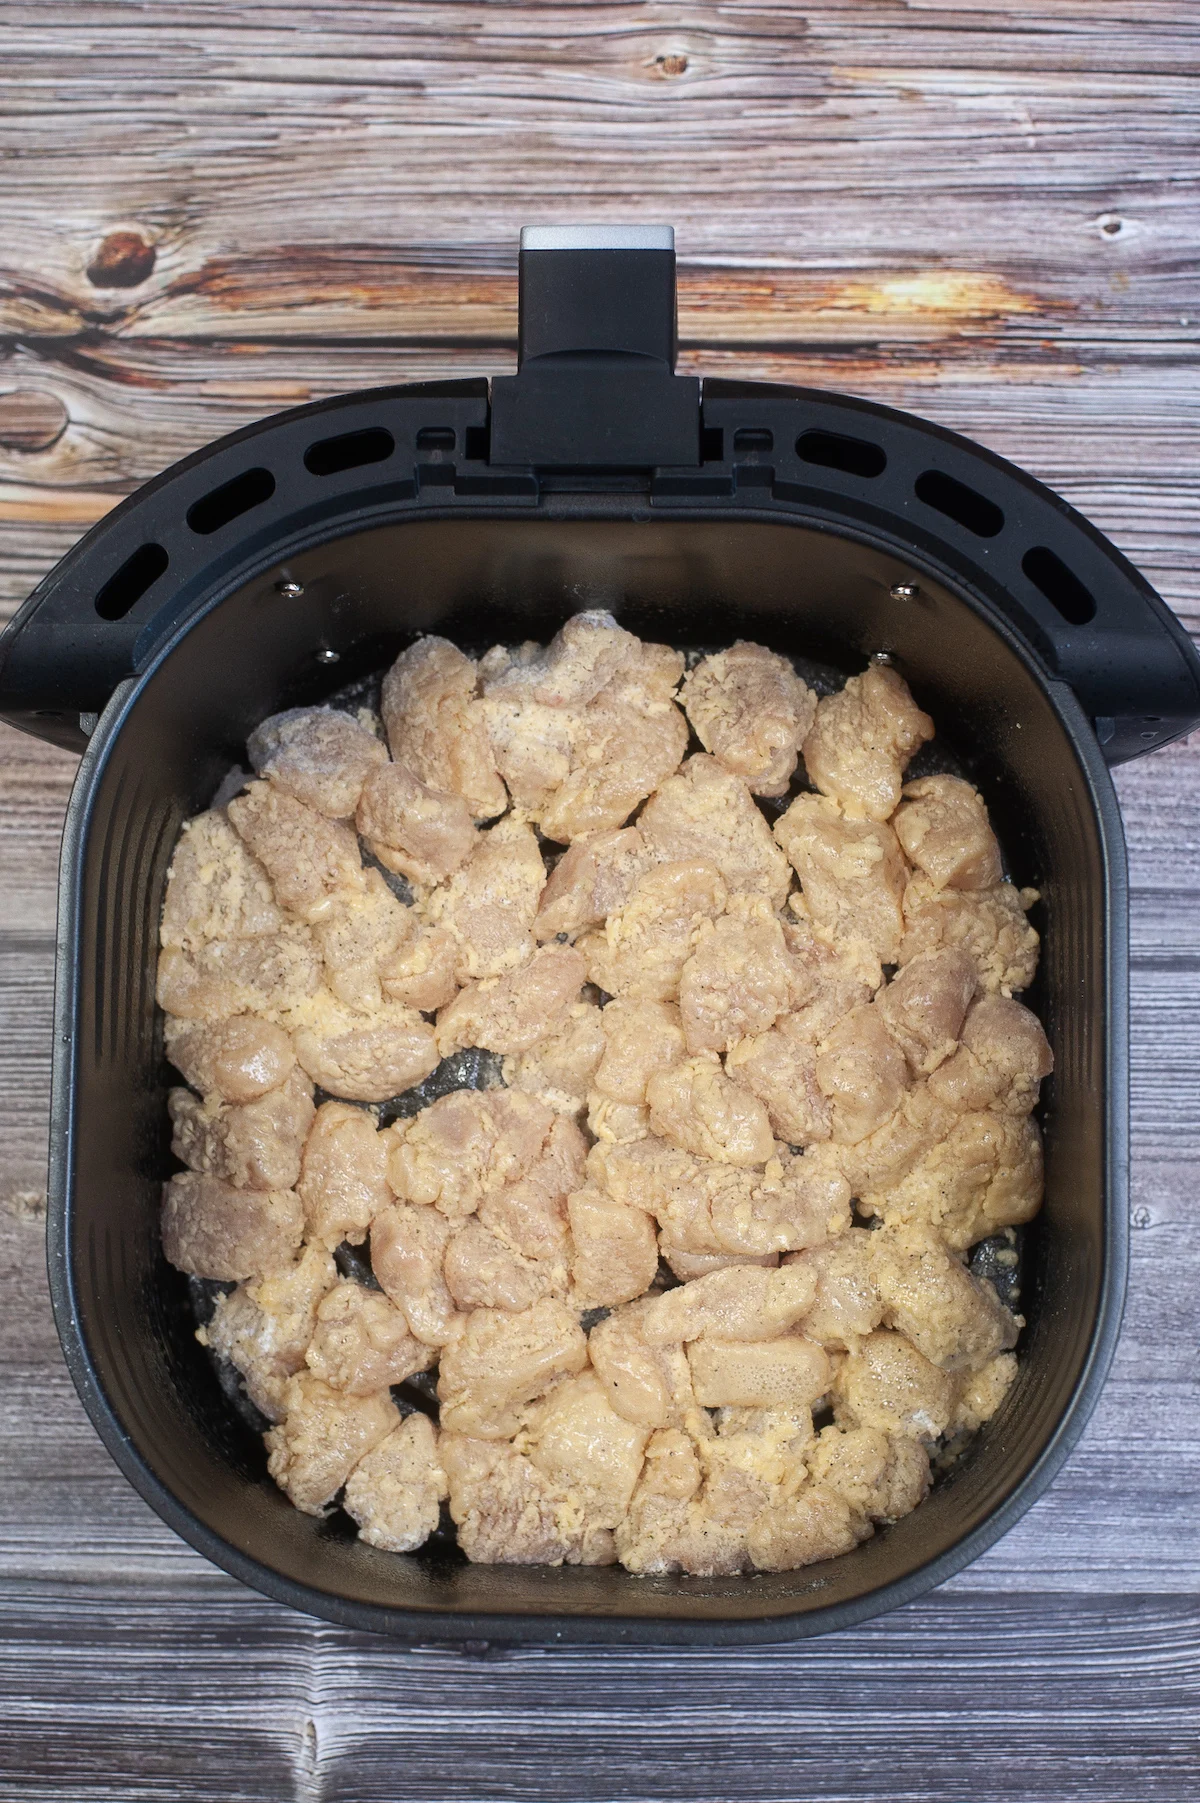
{"x": 763, "y": 1089}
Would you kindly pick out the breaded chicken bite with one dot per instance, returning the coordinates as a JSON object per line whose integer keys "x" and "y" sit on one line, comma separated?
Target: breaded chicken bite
{"x": 421, "y": 971}
{"x": 943, "y": 825}
{"x": 641, "y": 950}
{"x": 885, "y": 1383}
{"x": 861, "y": 741}
{"x": 529, "y": 1213}
{"x": 695, "y": 1106}
{"x": 928, "y": 1295}
{"x": 435, "y": 728}
{"x": 616, "y": 1249}
{"x": 706, "y": 813}
{"x": 925, "y": 1004}
{"x": 672, "y": 1525}
{"x": 359, "y": 937}
{"x": 846, "y": 1304}
{"x": 506, "y": 1511}
{"x": 1001, "y": 1062}
{"x": 790, "y": 1372}
{"x": 739, "y": 979}
{"x": 985, "y": 1175}
{"x": 750, "y": 709}
{"x": 343, "y": 1176}
{"x": 862, "y": 1072}
{"x": 981, "y": 1393}
{"x": 408, "y": 1250}
{"x": 780, "y": 1068}
{"x": 512, "y": 1013}
{"x": 308, "y": 857}
{"x": 394, "y": 1492}
{"x": 490, "y": 904}
{"x": 884, "y": 1158}
{"x": 361, "y": 1342}
{"x": 482, "y": 1272}
{"x": 593, "y": 877}
{"x": 367, "y": 1056}
{"x": 640, "y": 1038}
{"x": 239, "y": 1059}
{"x": 593, "y": 1454}
{"x": 650, "y": 1386}
{"x": 745, "y": 1303}
{"x": 263, "y": 1327}
{"x": 253, "y": 1145}
{"x": 211, "y": 1229}
{"x": 989, "y": 925}
{"x": 323, "y": 1435}
{"x": 805, "y": 1529}
{"x": 267, "y": 975}
{"x": 502, "y": 1360}
{"x": 466, "y": 1145}
{"x": 792, "y": 1202}
{"x": 852, "y": 874}
{"x": 560, "y": 1067}
{"x": 423, "y": 833}
{"x": 216, "y": 889}
{"x": 882, "y": 1477}
{"x": 321, "y": 755}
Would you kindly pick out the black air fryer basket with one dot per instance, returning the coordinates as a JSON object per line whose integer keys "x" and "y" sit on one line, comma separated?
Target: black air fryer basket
{"x": 280, "y": 564}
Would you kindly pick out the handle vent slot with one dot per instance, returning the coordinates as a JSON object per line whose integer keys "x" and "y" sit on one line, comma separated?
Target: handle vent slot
{"x": 966, "y": 506}
{"x": 230, "y": 501}
{"x": 126, "y": 588}
{"x": 349, "y": 451}
{"x": 834, "y": 451}
{"x": 1060, "y": 586}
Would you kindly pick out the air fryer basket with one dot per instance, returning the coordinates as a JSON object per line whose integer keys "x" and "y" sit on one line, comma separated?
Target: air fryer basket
{"x": 286, "y": 561}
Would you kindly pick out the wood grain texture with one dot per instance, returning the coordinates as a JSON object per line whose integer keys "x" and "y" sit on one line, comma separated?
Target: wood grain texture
{"x": 985, "y": 215}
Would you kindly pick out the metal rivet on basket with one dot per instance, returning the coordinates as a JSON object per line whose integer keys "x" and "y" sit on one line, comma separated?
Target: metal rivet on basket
{"x": 904, "y": 591}
{"x": 328, "y": 657}
{"x": 293, "y": 590}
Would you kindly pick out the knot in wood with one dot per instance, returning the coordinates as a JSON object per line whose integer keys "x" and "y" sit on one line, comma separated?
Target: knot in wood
{"x": 124, "y": 260}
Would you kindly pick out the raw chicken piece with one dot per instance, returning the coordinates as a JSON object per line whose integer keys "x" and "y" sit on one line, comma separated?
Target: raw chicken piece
{"x": 253, "y": 1145}
{"x": 580, "y": 660}
{"x": 266, "y": 975}
{"x": 531, "y": 743}
{"x": 215, "y": 888}
{"x": 529, "y": 1214}
{"x": 986, "y": 1174}
{"x": 466, "y": 1144}
{"x": 308, "y": 858}
{"x": 593, "y": 877}
{"x": 852, "y": 873}
{"x": 365, "y": 1056}
{"x": 359, "y": 936}
{"x": 884, "y": 1382}
{"x": 362, "y": 1344}
{"x": 394, "y": 1492}
{"x": 322, "y": 1437}
{"x": 500, "y": 1361}
{"x": 696, "y": 1107}
{"x": 239, "y": 1059}
{"x": 559, "y": 1068}
{"x": 982, "y": 1393}
{"x": 671, "y": 1525}
{"x": 490, "y": 904}
{"x": 343, "y": 1178}
{"x": 641, "y": 950}
{"x": 321, "y": 755}
{"x": 1003, "y": 1057}
{"x": 793, "y": 1202}
{"x": 211, "y": 1229}
{"x": 482, "y": 1272}
{"x": 420, "y": 972}
{"x": 846, "y": 1305}
{"x": 924, "y": 1005}
{"x": 621, "y": 1122}
{"x": 648, "y": 1385}
{"x": 422, "y": 833}
{"x": 739, "y": 979}
{"x": 780, "y": 1068}
{"x": 743, "y": 1303}
{"x": 881, "y": 1161}
{"x": 813, "y": 1525}
{"x": 830, "y": 978}
{"x": 625, "y": 742}
{"x": 264, "y": 1326}
{"x": 706, "y": 813}
{"x": 862, "y": 739}
{"x": 640, "y": 1038}
{"x": 616, "y": 1250}
{"x": 863, "y": 1072}
{"x": 943, "y": 826}
{"x": 881, "y": 1477}
{"x": 784, "y": 1373}
{"x": 949, "y": 1316}
{"x": 510, "y": 1014}
{"x": 750, "y": 709}
{"x": 507, "y": 1512}
{"x": 435, "y": 727}
{"x": 578, "y": 1441}
{"x": 688, "y": 1265}
{"x": 988, "y": 924}
{"x": 408, "y": 1248}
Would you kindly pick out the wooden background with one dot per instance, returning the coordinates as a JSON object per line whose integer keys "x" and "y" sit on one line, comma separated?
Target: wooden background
{"x": 210, "y": 211}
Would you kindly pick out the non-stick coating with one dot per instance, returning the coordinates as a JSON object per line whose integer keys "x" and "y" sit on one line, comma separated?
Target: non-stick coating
{"x": 158, "y": 756}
